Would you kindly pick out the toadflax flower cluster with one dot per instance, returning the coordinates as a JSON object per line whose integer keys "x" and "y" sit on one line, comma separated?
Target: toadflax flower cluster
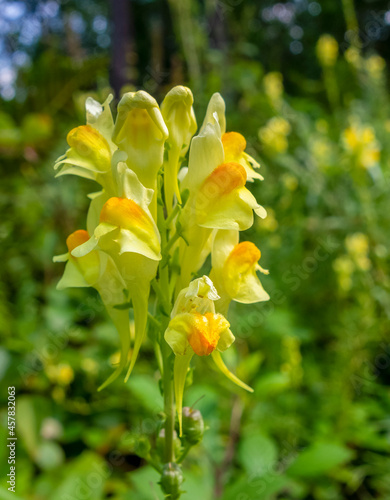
{"x": 156, "y": 219}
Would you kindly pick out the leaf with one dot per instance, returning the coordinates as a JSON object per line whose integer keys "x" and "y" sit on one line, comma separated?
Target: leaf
{"x": 8, "y": 495}
{"x": 257, "y": 454}
{"x": 271, "y": 384}
{"x": 27, "y": 424}
{"x": 83, "y": 478}
{"x": 144, "y": 482}
{"x": 145, "y": 388}
{"x": 198, "y": 483}
{"x": 256, "y": 488}
{"x": 250, "y": 366}
{"x": 126, "y": 305}
{"x": 320, "y": 459}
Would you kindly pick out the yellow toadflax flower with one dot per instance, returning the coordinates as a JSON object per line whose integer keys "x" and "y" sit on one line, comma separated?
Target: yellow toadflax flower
{"x": 91, "y": 148}
{"x": 218, "y": 198}
{"x": 234, "y": 144}
{"x": 195, "y": 328}
{"x": 140, "y": 131}
{"x": 179, "y": 117}
{"x": 129, "y": 235}
{"x": 97, "y": 270}
{"x": 234, "y": 271}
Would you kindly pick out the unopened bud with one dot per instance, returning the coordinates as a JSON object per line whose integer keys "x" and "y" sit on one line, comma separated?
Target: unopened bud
{"x": 171, "y": 480}
{"x": 193, "y": 425}
{"x": 160, "y": 443}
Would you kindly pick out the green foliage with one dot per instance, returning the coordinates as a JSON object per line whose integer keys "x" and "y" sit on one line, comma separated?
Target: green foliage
{"x": 317, "y": 354}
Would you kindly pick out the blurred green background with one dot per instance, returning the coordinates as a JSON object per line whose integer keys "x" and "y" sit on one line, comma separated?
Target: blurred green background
{"x": 307, "y": 84}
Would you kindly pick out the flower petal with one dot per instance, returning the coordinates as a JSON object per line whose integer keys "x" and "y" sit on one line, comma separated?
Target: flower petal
{"x": 140, "y": 131}
{"x": 140, "y": 307}
{"x": 224, "y": 369}
{"x": 215, "y": 112}
{"x": 121, "y": 321}
{"x": 206, "y": 154}
{"x": 180, "y": 370}
{"x": 180, "y": 119}
{"x": 72, "y": 277}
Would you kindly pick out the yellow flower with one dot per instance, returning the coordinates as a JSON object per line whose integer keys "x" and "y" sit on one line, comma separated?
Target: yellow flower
{"x": 91, "y": 148}
{"x": 218, "y": 199}
{"x": 128, "y": 234}
{"x": 234, "y": 145}
{"x": 361, "y": 142}
{"x": 140, "y": 132}
{"x": 273, "y": 86}
{"x": 137, "y": 229}
{"x": 274, "y": 134}
{"x": 327, "y": 50}
{"x": 88, "y": 266}
{"x": 215, "y": 113}
{"x": 218, "y": 196}
{"x": 344, "y": 267}
{"x": 358, "y": 248}
{"x": 197, "y": 333}
{"x": 375, "y": 66}
{"x": 97, "y": 269}
{"x": 234, "y": 268}
{"x": 65, "y": 374}
{"x": 179, "y": 117}
{"x": 125, "y": 223}
{"x": 195, "y": 328}
{"x": 352, "y": 56}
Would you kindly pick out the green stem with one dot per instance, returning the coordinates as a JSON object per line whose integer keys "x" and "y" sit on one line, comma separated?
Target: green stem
{"x": 171, "y": 242}
{"x": 350, "y": 15}
{"x": 165, "y": 297}
{"x": 174, "y": 212}
{"x": 184, "y": 454}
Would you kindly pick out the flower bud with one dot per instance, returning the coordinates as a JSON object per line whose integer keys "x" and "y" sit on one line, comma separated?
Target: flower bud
{"x": 160, "y": 443}
{"x": 193, "y": 425}
{"x": 142, "y": 446}
{"x": 171, "y": 480}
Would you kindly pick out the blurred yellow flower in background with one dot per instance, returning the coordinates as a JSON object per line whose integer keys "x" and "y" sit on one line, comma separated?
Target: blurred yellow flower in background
{"x": 352, "y": 56}
{"x": 375, "y": 66}
{"x": 360, "y": 141}
{"x": 356, "y": 259}
{"x": 61, "y": 374}
{"x": 321, "y": 148}
{"x": 273, "y": 86}
{"x": 290, "y": 182}
{"x": 343, "y": 267}
{"x": 327, "y": 50}
{"x": 274, "y": 134}
{"x": 357, "y": 245}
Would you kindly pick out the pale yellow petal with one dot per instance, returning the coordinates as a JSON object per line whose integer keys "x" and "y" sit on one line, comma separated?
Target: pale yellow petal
{"x": 224, "y": 369}
{"x": 180, "y": 370}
